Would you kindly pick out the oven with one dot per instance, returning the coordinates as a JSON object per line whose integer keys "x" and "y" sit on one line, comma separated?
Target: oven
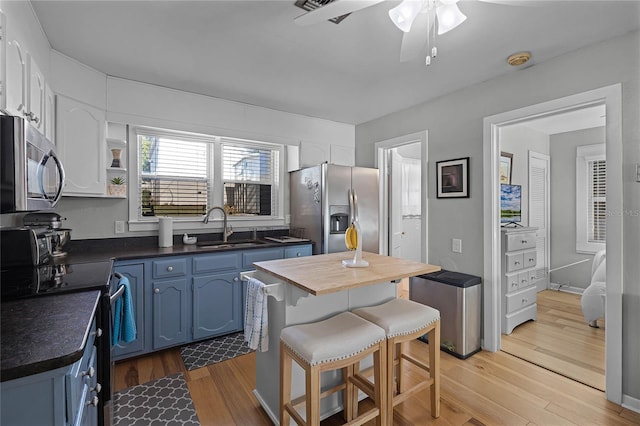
{"x": 58, "y": 276}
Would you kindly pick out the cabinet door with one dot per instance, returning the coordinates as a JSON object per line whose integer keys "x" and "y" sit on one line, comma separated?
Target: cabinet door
{"x": 80, "y": 130}
{"x": 135, "y": 274}
{"x": 35, "y": 94}
{"x": 217, "y": 305}
{"x": 3, "y": 61}
{"x": 49, "y": 114}
{"x": 169, "y": 313}
{"x": 16, "y": 74}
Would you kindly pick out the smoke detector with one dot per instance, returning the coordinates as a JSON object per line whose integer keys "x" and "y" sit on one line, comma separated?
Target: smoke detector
{"x": 518, "y": 59}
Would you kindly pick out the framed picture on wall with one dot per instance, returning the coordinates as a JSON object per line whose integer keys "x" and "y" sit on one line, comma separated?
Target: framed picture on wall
{"x": 505, "y": 167}
{"x": 453, "y": 178}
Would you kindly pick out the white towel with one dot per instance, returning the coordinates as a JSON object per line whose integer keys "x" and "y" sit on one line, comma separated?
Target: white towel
{"x": 256, "y": 319}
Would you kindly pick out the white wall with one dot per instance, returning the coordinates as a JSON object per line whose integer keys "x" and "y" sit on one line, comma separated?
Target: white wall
{"x": 455, "y": 130}
{"x": 518, "y": 140}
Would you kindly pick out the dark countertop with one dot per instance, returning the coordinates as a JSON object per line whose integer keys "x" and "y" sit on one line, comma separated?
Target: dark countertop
{"x": 26, "y": 347}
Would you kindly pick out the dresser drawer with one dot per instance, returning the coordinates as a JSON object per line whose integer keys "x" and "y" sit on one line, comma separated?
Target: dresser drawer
{"x": 513, "y": 283}
{"x": 169, "y": 268}
{"x": 514, "y": 262}
{"x": 523, "y": 279}
{"x": 520, "y": 299}
{"x": 530, "y": 258}
{"x": 519, "y": 241}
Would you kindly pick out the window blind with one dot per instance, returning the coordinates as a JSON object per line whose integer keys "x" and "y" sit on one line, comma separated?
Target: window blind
{"x": 250, "y": 178}
{"x": 597, "y": 201}
{"x": 173, "y": 176}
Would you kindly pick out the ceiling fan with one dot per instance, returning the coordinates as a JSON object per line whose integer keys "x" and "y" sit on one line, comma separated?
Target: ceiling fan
{"x": 416, "y": 18}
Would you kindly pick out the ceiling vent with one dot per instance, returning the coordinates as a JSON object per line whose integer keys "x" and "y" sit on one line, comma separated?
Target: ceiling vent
{"x": 310, "y": 5}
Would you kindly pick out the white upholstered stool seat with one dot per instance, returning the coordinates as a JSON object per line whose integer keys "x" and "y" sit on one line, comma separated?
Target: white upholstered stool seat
{"x": 335, "y": 343}
{"x": 404, "y": 320}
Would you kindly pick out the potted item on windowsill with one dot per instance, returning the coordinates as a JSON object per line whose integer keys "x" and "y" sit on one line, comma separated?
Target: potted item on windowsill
{"x": 117, "y": 187}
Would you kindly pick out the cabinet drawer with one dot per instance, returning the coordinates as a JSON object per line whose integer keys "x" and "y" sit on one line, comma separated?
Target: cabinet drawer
{"x": 260, "y": 255}
{"x": 523, "y": 279}
{"x": 297, "y": 251}
{"x": 216, "y": 263}
{"x": 81, "y": 374}
{"x": 520, "y": 299}
{"x": 530, "y": 258}
{"x": 513, "y": 262}
{"x": 521, "y": 241}
{"x": 169, "y": 268}
{"x": 513, "y": 283}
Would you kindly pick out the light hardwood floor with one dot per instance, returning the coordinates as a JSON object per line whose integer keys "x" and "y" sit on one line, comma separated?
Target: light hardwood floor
{"x": 560, "y": 340}
{"x": 485, "y": 389}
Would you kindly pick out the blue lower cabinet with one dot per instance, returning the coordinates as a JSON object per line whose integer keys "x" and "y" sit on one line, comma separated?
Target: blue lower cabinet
{"x": 217, "y": 305}
{"x": 169, "y": 313}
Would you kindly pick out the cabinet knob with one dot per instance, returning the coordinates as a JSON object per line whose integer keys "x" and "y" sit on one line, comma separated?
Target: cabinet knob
{"x": 169, "y": 268}
{"x": 523, "y": 241}
{"x": 531, "y": 259}
{"x": 93, "y": 401}
{"x": 298, "y": 254}
{"x": 524, "y": 300}
{"x": 91, "y": 372}
{"x": 235, "y": 279}
{"x": 156, "y": 290}
{"x": 98, "y": 332}
{"x": 97, "y": 389}
{"x": 516, "y": 262}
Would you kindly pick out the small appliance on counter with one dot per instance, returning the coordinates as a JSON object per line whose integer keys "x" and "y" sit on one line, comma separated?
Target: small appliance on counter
{"x": 49, "y": 224}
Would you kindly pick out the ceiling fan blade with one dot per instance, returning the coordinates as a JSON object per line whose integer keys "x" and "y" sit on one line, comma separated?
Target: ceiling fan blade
{"x": 331, "y": 10}
{"x": 414, "y": 41}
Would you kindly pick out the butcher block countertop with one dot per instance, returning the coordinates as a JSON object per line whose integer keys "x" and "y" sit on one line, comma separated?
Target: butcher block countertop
{"x": 324, "y": 273}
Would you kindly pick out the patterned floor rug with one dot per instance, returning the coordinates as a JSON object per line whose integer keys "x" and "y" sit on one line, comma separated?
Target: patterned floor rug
{"x": 164, "y": 401}
{"x": 214, "y": 350}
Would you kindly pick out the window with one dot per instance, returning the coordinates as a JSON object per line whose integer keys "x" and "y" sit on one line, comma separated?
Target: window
{"x": 182, "y": 175}
{"x": 591, "y": 198}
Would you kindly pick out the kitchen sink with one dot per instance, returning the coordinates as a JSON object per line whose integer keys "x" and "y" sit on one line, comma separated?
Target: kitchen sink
{"x": 229, "y": 244}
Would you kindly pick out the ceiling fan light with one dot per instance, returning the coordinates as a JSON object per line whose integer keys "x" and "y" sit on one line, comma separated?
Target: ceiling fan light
{"x": 449, "y": 17}
{"x": 405, "y": 13}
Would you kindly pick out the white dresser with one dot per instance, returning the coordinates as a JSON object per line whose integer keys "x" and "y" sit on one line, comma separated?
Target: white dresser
{"x": 518, "y": 251}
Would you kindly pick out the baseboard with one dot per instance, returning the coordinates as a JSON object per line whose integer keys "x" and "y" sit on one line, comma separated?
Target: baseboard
{"x": 566, "y": 288}
{"x": 631, "y": 403}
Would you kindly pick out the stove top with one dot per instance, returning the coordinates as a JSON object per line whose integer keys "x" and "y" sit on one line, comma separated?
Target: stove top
{"x": 21, "y": 282}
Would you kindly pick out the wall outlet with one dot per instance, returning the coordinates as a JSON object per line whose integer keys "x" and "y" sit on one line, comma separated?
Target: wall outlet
{"x": 119, "y": 227}
{"x": 456, "y": 245}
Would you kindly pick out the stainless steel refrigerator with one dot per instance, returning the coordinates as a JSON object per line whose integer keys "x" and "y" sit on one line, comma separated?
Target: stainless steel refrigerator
{"x": 320, "y": 200}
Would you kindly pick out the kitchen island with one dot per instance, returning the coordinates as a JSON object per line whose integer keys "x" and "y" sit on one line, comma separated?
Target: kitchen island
{"x": 313, "y": 288}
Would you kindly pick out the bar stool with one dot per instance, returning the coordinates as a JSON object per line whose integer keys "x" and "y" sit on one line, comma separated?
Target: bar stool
{"x": 335, "y": 343}
{"x": 404, "y": 320}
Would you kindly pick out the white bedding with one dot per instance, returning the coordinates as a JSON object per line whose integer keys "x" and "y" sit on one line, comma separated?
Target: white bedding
{"x": 594, "y": 297}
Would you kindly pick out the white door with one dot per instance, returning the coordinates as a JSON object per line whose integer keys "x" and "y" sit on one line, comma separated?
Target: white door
{"x": 539, "y": 214}
{"x": 395, "y": 204}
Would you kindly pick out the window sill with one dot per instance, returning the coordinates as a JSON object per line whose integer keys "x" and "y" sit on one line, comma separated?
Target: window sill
{"x": 213, "y": 225}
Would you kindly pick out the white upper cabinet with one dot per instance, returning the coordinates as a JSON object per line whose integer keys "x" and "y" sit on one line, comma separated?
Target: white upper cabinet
{"x": 49, "y": 114}
{"x": 80, "y": 137}
{"x": 3, "y": 61}
{"x": 16, "y": 76}
{"x": 35, "y": 97}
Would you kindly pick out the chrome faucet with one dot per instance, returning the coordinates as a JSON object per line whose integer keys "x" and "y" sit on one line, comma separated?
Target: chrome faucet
{"x": 226, "y": 231}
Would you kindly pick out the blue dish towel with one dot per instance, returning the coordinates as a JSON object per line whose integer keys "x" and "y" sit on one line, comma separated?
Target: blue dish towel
{"x": 124, "y": 322}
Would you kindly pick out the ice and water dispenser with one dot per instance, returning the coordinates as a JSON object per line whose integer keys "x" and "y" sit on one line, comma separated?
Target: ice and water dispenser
{"x": 338, "y": 219}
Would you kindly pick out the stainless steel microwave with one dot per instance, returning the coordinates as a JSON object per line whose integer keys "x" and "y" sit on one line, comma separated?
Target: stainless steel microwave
{"x": 32, "y": 175}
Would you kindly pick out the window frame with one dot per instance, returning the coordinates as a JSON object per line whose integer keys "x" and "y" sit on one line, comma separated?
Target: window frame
{"x": 584, "y": 155}
{"x": 214, "y": 174}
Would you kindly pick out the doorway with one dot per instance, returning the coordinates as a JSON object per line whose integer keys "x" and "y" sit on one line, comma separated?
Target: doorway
{"x": 609, "y": 96}
{"x": 402, "y": 162}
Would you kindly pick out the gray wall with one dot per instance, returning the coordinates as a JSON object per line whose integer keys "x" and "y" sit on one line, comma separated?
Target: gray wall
{"x": 519, "y": 140}
{"x": 563, "y": 206}
{"x": 455, "y": 130}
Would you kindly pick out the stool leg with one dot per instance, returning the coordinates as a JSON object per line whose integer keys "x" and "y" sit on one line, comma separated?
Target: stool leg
{"x": 285, "y": 384}
{"x": 389, "y": 385}
{"x": 348, "y": 398}
{"x": 381, "y": 389}
{"x": 313, "y": 395}
{"x": 400, "y": 347}
{"x": 434, "y": 369}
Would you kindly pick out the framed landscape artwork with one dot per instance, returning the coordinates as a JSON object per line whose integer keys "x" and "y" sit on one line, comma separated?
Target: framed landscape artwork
{"x": 505, "y": 167}
{"x": 453, "y": 178}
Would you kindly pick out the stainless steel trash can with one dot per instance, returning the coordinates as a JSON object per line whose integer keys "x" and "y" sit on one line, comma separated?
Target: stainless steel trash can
{"x": 457, "y": 296}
